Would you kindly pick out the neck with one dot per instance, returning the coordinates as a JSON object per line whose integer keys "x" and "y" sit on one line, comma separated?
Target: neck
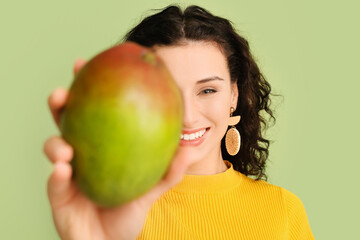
{"x": 210, "y": 165}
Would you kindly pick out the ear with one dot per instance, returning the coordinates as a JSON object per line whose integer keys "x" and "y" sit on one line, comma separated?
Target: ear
{"x": 234, "y": 95}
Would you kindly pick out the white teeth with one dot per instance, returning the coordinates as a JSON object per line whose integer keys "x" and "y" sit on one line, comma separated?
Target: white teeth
{"x": 192, "y": 136}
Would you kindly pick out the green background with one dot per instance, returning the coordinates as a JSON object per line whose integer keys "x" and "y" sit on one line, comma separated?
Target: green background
{"x": 308, "y": 50}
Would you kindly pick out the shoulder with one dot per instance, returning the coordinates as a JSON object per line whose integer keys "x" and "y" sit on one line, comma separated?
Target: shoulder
{"x": 266, "y": 187}
{"x": 260, "y": 187}
{"x": 290, "y": 201}
{"x": 297, "y": 220}
{"x": 283, "y": 200}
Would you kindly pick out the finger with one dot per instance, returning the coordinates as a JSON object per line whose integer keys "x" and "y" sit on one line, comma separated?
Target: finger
{"x": 56, "y": 102}
{"x": 79, "y": 63}
{"x": 60, "y": 187}
{"x": 58, "y": 150}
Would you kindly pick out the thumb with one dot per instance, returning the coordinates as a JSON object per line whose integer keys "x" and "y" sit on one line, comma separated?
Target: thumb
{"x": 60, "y": 186}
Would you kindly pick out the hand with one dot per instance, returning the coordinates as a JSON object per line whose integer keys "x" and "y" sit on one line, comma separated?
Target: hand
{"x": 77, "y": 217}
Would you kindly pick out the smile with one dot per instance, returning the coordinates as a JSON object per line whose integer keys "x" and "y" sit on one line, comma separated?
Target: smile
{"x": 193, "y": 138}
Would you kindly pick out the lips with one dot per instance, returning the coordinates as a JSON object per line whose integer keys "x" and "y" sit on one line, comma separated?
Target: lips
{"x": 193, "y": 137}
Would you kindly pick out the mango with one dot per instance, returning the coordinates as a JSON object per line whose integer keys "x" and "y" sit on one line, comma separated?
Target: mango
{"x": 123, "y": 118}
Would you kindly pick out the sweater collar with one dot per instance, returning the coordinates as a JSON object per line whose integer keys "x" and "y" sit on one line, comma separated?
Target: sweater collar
{"x": 219, "y": 182}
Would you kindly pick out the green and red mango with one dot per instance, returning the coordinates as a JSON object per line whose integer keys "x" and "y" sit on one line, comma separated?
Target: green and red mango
{"x": 123, "y": 117}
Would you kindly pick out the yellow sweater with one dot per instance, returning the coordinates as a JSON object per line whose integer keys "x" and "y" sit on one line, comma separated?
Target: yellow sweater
{"x": 228, "y": 205}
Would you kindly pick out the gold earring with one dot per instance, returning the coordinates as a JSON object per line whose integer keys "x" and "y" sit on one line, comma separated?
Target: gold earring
{"x": 232, "y": 138}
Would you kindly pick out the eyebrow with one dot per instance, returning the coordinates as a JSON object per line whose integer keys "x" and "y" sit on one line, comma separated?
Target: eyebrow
{"x": 209, "y": 79}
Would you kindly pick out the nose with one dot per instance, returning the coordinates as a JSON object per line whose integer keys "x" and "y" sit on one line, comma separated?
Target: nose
{"x": 191, "y": 113}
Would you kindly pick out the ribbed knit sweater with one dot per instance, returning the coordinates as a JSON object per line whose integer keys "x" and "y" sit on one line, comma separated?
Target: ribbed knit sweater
{"x": 227, "y": 205}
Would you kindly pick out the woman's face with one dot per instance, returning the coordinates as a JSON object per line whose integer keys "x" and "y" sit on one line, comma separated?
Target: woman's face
{"x": 200, "y": 70}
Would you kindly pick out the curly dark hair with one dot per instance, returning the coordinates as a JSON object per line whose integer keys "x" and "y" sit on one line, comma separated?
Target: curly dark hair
{"x": 171, "y": 26}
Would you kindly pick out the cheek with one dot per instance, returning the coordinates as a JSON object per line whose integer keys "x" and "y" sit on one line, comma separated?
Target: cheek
{"x": 217, "y": 111}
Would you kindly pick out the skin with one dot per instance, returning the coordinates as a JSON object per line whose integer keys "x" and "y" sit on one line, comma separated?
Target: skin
{"x": 189, "y": 63}
{"x": 76, "y": 217}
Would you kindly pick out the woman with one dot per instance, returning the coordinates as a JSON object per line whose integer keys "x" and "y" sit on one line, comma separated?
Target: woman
{"x": 207, "y": 192}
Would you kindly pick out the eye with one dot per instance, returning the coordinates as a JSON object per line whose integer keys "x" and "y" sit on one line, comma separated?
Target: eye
{"x": 208, "y": 90}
